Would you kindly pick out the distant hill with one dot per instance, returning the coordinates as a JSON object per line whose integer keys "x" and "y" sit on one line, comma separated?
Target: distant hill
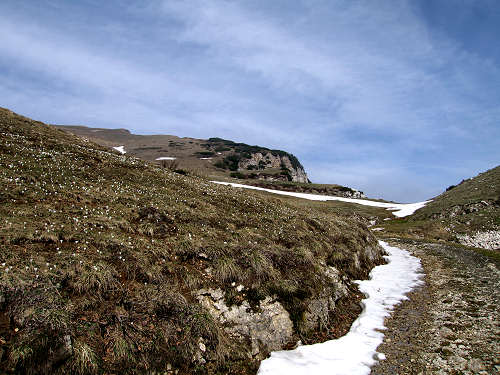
{"x": 468, "y": 213}
{"x": 213, "y": 157}
{"x": 469, "y": 199}
{"x": 470, "y": 210}
{"x": 111, "y": 264}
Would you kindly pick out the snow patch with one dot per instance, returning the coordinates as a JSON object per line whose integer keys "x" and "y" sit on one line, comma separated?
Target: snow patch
{"x": 400, "y": 209}
{"x": 166, "y": 158}
{"x": 205, "y": 158}
{"x": 355, "y": 353}
{"x": 120, "y": 149}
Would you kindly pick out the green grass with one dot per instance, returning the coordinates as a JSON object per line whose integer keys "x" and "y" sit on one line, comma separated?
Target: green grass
{"x": 109, "y": 250}
{"x": 420, "y": 225}
{"x": 471, "y": 206}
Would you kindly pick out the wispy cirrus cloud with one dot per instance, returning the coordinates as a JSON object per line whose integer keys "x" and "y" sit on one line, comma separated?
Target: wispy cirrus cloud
{"x": 341, "y": 84}
{"x": 386, "y": 70}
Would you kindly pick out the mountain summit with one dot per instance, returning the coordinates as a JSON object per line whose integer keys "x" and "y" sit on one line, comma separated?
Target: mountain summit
{"x": 214, "y": 156}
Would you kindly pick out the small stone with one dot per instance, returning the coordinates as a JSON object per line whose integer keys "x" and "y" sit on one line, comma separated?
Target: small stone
{"x": 475, "y": 365}
{"x": 202, "y": 347}
{"x": 446, "y": 350}
{"x": 446, "y": 333}
{"x": 458, "y": 362}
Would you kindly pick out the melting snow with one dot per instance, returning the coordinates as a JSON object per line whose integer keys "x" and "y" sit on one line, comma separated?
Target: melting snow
{"x": 120, "y": 149}
{"x": 166, "y": 158}
{"x": 400, "y": 209}
{"x": 355, "y": 353}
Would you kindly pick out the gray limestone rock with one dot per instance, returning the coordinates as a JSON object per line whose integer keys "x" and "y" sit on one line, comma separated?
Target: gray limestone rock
{"x": 267, "y": 330}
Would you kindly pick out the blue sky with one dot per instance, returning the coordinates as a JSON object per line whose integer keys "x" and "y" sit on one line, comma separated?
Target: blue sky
{"x": 398, "y": 98}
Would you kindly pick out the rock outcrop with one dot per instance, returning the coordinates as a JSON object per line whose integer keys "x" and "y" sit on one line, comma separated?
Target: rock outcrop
{"x": 466, "y": 209}
{"x": 317, "y": 315}
{"x": 270, "y": 328}
{"x": 291, "y": 169}
{"x": 486, "y": 240}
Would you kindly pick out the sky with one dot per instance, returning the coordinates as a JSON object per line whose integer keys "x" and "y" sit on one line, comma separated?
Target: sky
{"x": 399, "y": 99}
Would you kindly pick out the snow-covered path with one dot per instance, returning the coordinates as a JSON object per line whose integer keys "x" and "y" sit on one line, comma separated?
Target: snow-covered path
{"x": 355, "y": 353}
{"x": 399, "y": 209}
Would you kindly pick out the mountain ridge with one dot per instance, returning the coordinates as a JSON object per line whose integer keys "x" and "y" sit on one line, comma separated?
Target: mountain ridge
{"x": 213, "y": 156}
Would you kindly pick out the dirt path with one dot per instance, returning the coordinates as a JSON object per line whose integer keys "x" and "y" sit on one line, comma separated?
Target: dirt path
{"x": 451, "y": 325}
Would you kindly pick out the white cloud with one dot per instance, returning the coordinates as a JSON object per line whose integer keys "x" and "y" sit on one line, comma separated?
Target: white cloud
{"x": 379, "y": 60}
{"x": 364, "y": 85}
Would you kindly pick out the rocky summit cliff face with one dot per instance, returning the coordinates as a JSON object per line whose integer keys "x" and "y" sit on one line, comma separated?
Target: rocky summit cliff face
{"x": 262, "y": 161}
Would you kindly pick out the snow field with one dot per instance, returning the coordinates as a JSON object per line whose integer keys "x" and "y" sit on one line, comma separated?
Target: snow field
{"x": 120, "y": 149}
{"x": 166, "y": 158}
{"x": 399, "y": 209}
{"x": 355, "y": 353}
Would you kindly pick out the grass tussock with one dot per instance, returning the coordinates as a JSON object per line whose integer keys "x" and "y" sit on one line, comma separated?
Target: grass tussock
{"x": 97, "y": 279}
{"x": 106, "y": 251}
{"x": 85, "y": 361}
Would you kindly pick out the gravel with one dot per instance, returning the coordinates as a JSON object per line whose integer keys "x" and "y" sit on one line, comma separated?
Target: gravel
{"x": 451, "y": 324}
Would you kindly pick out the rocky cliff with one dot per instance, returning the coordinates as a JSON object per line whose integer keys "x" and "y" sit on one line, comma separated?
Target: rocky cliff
{"x": 267, "y": 160}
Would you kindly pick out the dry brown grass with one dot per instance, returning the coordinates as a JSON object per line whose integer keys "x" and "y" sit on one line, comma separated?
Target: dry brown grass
{"x": 109, "y": 249}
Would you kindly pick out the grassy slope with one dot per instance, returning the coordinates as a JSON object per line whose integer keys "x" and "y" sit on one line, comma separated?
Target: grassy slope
{"x": 299, "y": 187}
{"x": 106, "y": 250}
{"x": 471, "y": 206}
{"x": 483, "y": 188}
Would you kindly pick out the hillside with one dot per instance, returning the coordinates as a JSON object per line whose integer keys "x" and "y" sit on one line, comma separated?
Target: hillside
{"x": 470, "y": 210}
{"x": 468, "y": 213}
{"x": 214, "y": 157}
{"x": 467, "y": 201}
{"x": 110, "y": 264}
{"x": 308, "y": 188}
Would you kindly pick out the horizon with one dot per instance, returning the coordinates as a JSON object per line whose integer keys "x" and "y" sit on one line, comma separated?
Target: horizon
{"x": 313, "y": 182}
{"x": 398, "y": 100}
